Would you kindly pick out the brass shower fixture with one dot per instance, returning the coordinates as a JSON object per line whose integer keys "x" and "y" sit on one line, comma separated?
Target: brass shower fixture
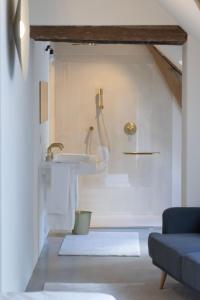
{"x": 130, "y": 128}
{"x": 99, "y": 98}
{"x": 51, "y": 147}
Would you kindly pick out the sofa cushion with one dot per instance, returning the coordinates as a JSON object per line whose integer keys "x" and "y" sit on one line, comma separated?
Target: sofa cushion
{"x": 166, "y": 250}
{"x": 191, "y": 270}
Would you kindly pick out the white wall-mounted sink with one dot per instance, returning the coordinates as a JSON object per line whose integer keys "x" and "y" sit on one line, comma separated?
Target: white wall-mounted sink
{"x": 60, "y": 182}
{"x": 72, "y": 158}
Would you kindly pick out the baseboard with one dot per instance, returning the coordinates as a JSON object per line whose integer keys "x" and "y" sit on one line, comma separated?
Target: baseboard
{"x": 126, "y": 221}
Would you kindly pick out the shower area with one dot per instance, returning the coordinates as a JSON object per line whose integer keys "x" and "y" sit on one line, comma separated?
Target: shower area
{"x": 96, "y": 90}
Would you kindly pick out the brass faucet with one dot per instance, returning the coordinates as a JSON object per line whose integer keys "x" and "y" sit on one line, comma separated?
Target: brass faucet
{"x": 49, "y": 150}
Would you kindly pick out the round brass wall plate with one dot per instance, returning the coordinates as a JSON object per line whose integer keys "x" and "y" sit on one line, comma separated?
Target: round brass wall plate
{"x": 130, "y": 128}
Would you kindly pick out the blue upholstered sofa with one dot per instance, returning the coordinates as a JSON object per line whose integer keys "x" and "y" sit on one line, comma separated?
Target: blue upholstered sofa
{"x": 177, "y": 250}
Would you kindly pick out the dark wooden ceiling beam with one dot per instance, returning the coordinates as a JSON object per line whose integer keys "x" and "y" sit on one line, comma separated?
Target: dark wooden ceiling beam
{"x": 198, "y": 3}
{"x": 156, "y": 34}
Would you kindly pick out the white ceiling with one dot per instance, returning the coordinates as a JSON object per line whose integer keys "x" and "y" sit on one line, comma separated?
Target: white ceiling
{"x": 186, "y": 12}
{"x": 99, "y": 12}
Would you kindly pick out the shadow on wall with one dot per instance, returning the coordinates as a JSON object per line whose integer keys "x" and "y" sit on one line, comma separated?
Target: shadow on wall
{"x": 10, "y": 10}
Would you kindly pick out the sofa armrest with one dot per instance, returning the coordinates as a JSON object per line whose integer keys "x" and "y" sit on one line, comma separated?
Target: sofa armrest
{"x": 181, "y": 220}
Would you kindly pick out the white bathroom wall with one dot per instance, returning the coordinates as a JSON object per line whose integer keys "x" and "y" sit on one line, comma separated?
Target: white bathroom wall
{"x": 133, "y": 190}
{"x": 98, "y": 12}
{"x": 20, "y": 149}
{"x": 52, "y": 101}
{"x": 41, "y": 138}
{"x": 1, "y": 94}
{"x": 176, "y": 154}
{"x": 191, "y": 134}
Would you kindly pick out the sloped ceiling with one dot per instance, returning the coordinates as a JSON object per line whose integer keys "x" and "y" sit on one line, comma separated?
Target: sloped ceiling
{"x": 186, "y": 12}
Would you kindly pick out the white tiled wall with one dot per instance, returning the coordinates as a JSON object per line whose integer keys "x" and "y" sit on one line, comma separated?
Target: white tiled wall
{"x": 133, "y": 190}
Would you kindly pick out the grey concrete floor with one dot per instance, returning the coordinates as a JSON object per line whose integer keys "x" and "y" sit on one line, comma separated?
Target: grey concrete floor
{"x": 91, "y": 269}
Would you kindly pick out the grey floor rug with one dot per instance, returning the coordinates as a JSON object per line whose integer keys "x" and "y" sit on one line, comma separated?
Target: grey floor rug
{"x": 102, "y": 244}
{"x": 127, "y": 291}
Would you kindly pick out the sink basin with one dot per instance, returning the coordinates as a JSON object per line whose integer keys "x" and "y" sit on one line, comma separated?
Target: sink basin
{"x": 72, "y": 158}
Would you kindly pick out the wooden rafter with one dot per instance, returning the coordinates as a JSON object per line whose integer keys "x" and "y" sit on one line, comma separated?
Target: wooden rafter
{"x": 171, "y": 74}
{"x": 170, "y": 63}
{"x": 198, "y": 3}
{"x": 156, "y": 34}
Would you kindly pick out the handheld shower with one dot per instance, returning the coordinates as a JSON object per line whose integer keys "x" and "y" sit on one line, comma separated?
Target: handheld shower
{"x": 99, "y": 98}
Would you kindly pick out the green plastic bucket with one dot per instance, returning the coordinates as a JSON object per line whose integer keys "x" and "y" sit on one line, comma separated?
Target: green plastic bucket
{"x": 82, "y": 222}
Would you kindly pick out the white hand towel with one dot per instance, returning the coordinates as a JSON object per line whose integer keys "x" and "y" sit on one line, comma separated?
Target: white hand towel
{"x": 61, "y": 197}
{"x": 58, "y": 190}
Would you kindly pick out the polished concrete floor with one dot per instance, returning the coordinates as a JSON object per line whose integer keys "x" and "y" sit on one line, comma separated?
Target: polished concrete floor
{"x": 88, "y": 269}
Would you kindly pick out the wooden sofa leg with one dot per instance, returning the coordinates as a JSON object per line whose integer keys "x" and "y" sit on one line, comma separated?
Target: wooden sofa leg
{"x": 162, "y": 280}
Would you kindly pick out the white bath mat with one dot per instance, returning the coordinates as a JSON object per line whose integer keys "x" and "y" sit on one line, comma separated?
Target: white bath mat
{"x": 102, "y": 244}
